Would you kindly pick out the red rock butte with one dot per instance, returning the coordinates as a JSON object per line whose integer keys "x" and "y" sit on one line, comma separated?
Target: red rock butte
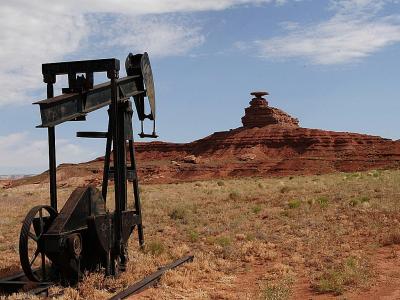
{"x": 259, "y": 114}
{"x": 270, "y": 143}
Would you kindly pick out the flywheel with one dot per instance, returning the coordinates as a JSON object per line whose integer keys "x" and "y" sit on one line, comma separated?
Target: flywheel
{"x": 31, "y": 253}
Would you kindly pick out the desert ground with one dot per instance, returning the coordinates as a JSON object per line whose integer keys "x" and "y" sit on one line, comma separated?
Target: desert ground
{"x": 303, "y": 237}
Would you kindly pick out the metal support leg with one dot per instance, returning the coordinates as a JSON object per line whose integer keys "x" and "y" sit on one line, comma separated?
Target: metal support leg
{"x": 117, "y": 112}
{"x": 136, "y": 193}
{"x": 52, "y": 153}
{"x": 107, "y": 160}
{"x": 52, "y": 168}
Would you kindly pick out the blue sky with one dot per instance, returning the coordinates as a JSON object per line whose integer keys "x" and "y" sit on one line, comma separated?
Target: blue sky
{"x": 332, "y": 64}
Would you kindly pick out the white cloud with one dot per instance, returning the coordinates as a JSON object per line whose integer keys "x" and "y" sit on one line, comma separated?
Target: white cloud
{"x": 34, "y": 32}
{"x": 143, "y": 7}
{"x": 21, "y": 154}
{"x": 358, "y": 6}
{"x": 30, "y": 36}
{"x": 159, "y": 35}
{"x": 354, "y": 31}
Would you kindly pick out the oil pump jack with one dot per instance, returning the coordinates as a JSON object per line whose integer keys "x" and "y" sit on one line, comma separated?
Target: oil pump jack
{"x": 59, "y": 245}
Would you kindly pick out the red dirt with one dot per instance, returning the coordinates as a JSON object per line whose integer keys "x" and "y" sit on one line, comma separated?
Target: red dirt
{"x": 387, "y": 285}
{"x": 246, "y": 284}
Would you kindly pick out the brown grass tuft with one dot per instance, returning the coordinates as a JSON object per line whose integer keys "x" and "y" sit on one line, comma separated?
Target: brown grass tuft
{"x": 249, "y": 236}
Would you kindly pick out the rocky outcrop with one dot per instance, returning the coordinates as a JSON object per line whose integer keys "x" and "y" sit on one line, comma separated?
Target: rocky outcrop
{"x": 270, "y": 143}
{"x": 273, "y": 151}
{"x": 259, "y": 114}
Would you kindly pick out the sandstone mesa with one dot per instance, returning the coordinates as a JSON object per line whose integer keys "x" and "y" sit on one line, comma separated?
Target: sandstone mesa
{"x": 270, "y": 143}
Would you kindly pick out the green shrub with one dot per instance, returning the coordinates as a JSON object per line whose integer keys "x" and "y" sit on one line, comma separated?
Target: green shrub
{"x": 284, "y": 189}
{"x": 322, "y": 201}
{"x": 256, "y": 209}
{"x": 220, "y": 183}
{"x": 155, "y": 247}
{"x": 280, "y": 290}
{"x": 178, "y": 213}
{"x": 351, "y": 273}
{"x": 294, "y": 204}
{"x": 353, "y": 202}
{"x": 356, "y": 201}
{"x": 285, "y": 213}
{"x": 391, "y": 238}
{"x": 193, "y": 236}
{"x": 223, "y": 241}
{"x": 234, "y": 195}
{"x": 374, "y": 173}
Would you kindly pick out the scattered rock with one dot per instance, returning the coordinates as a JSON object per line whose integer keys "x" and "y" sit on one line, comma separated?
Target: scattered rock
{"x": 191, "y": 159}
{"x": 240, "y": 236}
{"x": 259, "y": 114}
{"x": 247, "y": 157}
{"x": 175, "y": 163}
{"x": 297, "y": 259}
{"x": 7, "y": 184}
{"x": 345, "y": 247}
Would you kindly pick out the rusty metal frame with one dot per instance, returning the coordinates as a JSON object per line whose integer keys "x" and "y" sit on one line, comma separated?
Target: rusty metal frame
{"x": 78, "y": 99}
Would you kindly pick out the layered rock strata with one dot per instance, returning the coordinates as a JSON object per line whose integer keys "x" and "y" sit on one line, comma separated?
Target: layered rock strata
{"x": 259, "y": 114}
{"x": 270, "y": 143}
{"x": 269, "y": 151}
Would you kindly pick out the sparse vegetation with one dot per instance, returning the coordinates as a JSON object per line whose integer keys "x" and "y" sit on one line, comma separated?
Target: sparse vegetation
{"x": 391, "y": 238}
{"x": 294, "y": 203}
{"x": 280, "y": 290}
{"x": 234, "y": 195}
{"x": 154, "y": 247}
{"x": 351, "y": 273}
{"x": 284, "y": 189}
{"x": 193, "y": 236}
{"x": 322, "y": 201}
{"x": 178, "y": 213}
{"x": 248, "y": 235}
{"x": 256, "y": 209}
{"x": 223, "y": 241}
{"x": 359, "y": 200}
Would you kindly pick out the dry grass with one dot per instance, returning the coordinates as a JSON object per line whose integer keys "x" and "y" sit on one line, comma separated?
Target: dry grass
{"x": 252, "y": 238}
{"x": 278, "y": 290}
{"x": 351, "y": 272}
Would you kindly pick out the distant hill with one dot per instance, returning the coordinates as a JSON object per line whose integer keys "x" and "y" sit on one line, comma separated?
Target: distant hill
{"x": 270, "y": 143}
{"x": 14, "y": 176}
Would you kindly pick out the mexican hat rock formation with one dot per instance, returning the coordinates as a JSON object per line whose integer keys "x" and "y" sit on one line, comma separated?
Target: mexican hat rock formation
{"x": 270, "y": 143}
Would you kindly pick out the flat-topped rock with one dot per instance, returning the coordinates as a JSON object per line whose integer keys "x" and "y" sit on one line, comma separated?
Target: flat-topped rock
{"x": 259, "y": 114}
{"x": 270, "y": 143}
